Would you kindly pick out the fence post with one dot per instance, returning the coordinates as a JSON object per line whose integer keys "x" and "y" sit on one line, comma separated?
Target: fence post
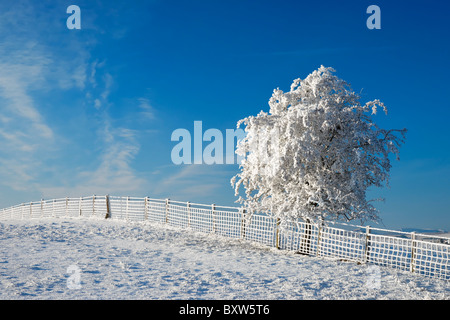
{"x": 188, "y": 205}
{"x": 367, "y": 245}
{"x": 53, "y": 208}
{"x": 413, "y": 250}
{"x": 167, "y": 209}
{"x": 79, "y": 205}
{"x": 277, "y": 234}
{"x": 319, "y": 236}
{"x": 42, "y": 208}
{"x": 93, "y": 205}
{"x": 67, "y": 206}
{"x": 31, "y": 209}
{"x": 213, "y": 208}
{"x": 243, "y": 224}
{"x": 146, "y": 208}
{"x": 108, "y": 207}
{"x": 126, "y": 208}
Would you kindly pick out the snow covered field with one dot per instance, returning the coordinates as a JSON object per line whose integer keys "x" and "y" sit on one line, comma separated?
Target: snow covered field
{"x": 107, "y": 259}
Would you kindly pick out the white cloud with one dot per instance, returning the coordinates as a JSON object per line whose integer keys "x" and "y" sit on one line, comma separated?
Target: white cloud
{"x": 25, "y": 135}
{"x": 99, "y": 85}
{"x": 147, "y": 111}
{"x": 14, "y": 87}
{"x": 34, "y": 66}
{"x": 30, "y": 68}
{"x": 108, "y": 80}
{"x": 191, "y": 182}
{"x": 113, "y": 174}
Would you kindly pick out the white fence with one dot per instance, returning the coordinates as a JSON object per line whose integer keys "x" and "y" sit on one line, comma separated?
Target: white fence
{"x": 419, "y": 253}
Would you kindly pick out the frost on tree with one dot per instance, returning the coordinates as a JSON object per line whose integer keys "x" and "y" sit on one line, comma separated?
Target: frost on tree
{"x": 315, "y": 154}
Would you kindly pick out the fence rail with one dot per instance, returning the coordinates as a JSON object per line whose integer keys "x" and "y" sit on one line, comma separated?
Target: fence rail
{"x": 419, "y": 253}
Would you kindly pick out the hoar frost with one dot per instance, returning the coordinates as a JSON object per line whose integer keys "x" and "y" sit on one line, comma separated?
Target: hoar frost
{"x": 315, "y": 154}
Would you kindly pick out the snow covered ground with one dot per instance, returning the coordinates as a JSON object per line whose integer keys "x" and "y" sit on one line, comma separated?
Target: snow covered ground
{"x": 107, "y": 259}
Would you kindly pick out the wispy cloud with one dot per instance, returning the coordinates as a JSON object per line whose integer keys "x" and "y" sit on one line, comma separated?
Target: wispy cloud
{"x": 110, "y": 169}
{"x": 19, "y": 102}
{"x": 112, "y": 173}
{"x": 193, "y": 182}
{"x": 55, "y": 95}
{"x": 25, "y": 133}
{"x": 28, "y": 69}
{"x": 147, "y": 112}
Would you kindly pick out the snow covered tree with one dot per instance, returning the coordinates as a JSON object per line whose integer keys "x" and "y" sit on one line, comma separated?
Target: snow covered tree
{"x": 315, "y": 154}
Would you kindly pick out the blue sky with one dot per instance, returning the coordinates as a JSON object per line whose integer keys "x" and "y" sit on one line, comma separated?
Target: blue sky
{"x": 92, "y": 111}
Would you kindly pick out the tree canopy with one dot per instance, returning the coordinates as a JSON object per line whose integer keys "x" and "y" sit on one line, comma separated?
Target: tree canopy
{"x": 316, "y": 152}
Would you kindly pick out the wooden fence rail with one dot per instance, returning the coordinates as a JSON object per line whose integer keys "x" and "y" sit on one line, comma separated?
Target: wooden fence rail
{"x": 419, "y": 253}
